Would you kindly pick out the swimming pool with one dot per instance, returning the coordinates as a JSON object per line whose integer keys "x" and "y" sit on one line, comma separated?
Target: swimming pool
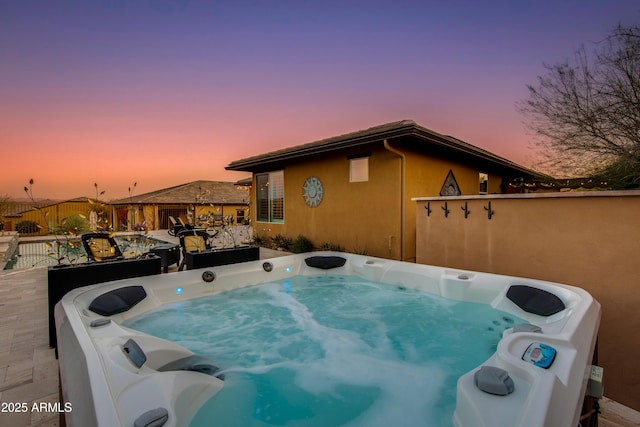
{"x": 99, "y": 376}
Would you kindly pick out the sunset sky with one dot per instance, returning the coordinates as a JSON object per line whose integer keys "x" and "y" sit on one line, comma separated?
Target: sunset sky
{"x": 166, "y": 92}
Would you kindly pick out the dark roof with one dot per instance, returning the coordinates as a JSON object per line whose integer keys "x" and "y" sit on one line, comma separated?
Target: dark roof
{"x": 198, "y": 192}
{"x": 17, "y": 208}
{"x": 387, "y": 131}
{"x": 245, "y": 181}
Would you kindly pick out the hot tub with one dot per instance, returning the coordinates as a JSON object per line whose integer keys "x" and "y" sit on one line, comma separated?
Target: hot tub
{"x": 113, "y": 375}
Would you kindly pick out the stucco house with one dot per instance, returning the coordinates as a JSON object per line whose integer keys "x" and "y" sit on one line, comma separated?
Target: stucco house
{"x": 355, "y": 190}
{"x": 188, "y": 202}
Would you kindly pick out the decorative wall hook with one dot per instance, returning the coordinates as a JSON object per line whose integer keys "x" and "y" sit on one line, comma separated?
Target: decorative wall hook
{"x": 466, "y": 210}
{"x": 489, "y": 211}
{"x": 428, "y": 208}
{"x": 445, "y": 208}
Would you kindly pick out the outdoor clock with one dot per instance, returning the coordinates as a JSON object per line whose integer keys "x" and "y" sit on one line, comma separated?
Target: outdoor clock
{"x": 312, "y": 192}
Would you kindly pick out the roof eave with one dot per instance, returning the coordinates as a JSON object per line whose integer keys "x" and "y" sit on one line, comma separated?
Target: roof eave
{"x": 406, "y": 129}
{"x": 251, "y": 163}
{"x": 466, "y": 148}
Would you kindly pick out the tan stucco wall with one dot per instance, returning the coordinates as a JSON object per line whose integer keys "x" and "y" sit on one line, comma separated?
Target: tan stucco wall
{"x": 426, "y": 176}
{"x": 367, "y": 216}
{"x": 359, "y": 216}
{"x": 589, "y": 240}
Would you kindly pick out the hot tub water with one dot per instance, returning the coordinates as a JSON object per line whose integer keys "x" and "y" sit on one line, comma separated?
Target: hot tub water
{"x": 331, "y": 350}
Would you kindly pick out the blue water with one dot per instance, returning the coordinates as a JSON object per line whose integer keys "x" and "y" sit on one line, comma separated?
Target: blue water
{"x": 331, "y": 350}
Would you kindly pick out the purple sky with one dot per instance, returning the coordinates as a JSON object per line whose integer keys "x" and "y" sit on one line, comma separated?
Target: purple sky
{"x": 166, "y": 92}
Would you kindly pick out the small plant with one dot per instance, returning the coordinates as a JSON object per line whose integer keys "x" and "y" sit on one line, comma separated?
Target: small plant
{"x": 359, "y": 251}
{"x": 99, "y": 220}
{"x": 301, "y": 245}
{"x": 140, "y": 227}
{"x": 282, "y": 242}
{"x": 328, "y": 246}
{"x": 74, "y": 224}
{"x": 258, "y": 239}
{"x": 43, "y": 212}
{"x": 135, "y": 246}
{"x": 68, "y": 248}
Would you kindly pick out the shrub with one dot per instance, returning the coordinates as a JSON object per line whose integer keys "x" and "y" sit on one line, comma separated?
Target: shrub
{"x": 260, "y": 240}
{"x": 27, "y": 227}
{"x": 301, "y": 245}
{"x": 282, "y": 242}
{"x": 73, "y": 224}
{"x": 328, "y": 246}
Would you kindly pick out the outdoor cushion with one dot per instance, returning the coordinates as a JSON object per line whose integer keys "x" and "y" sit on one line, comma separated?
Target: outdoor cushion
{"x": 194, "y": 243}
{"x": 325, "y": 262}
{"x": 101, "y": 246}
{"x": 101, "y": 249}
{"x": 117, "y": 301}
{"x": 534, "y": 300}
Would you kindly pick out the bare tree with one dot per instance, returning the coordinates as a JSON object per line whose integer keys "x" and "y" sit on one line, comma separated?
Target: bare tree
{"x": 586, "y": 113}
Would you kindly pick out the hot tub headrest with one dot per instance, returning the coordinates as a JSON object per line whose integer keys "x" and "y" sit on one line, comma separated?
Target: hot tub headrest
{"x": 118, "y": 300}
{"x": 325, "y": 262}
{"x": 534, "y": 300}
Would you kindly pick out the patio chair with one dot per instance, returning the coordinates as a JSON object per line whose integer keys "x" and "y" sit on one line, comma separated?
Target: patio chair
{"x": 218, "y": 220}
{"x": 101, "y": 247}
{"x": 177, "y": 226}
{"x": 194, "y": 240}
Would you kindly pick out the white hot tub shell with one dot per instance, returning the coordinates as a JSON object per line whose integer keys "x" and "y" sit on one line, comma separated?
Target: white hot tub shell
{"x": 105, "y": 388}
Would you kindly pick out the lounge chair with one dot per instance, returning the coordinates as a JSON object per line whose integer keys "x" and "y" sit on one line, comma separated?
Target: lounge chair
{"x": 101, "y": 247}
{"x": 178, "y": 226}
{"x": 193, "y": 240}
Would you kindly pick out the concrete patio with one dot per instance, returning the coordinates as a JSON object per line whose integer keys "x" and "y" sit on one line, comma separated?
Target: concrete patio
{"x": 29, "y": 370}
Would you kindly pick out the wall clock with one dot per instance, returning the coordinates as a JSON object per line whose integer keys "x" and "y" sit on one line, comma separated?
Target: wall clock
{"x": 312, "y": 192}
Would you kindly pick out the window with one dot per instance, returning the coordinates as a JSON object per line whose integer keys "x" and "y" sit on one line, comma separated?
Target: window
{"x": 359, "y": 169}
{"x": 270, "y": 197}
{"x": 484, "y": 183}
{"x": 239, "y": 216}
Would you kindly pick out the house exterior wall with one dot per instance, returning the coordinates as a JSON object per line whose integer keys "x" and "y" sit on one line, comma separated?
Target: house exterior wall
{"x": 361, "y": 217}
{"x": 588, "y": 239}
{"x": 365, "y": 217}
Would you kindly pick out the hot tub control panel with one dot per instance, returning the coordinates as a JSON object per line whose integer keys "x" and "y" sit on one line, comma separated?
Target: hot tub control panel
{"x": 540, "y": 354}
